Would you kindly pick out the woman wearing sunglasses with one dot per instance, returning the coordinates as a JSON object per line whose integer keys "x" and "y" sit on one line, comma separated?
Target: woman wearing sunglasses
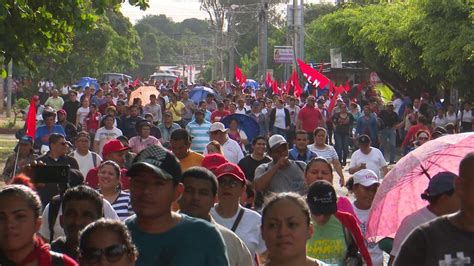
{"x": 19, "y": 221}
{"x": 106, "y": 242}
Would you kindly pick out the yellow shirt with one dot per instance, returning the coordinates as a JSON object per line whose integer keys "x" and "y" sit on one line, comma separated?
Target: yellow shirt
{"x": 193, "y": 159}
{"x": 176, "y": 110}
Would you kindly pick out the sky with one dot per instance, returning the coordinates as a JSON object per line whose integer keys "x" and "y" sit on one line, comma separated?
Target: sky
{"x": 178, "y": 10}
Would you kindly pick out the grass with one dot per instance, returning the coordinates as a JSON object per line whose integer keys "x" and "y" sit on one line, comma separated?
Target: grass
{"x": 6, "y": 149}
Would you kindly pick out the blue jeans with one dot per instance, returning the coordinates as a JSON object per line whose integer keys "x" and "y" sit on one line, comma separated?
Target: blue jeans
{"x": 280, "y": 131}
{"x": 388, "y": 136}
{"x": 341, "y": 146}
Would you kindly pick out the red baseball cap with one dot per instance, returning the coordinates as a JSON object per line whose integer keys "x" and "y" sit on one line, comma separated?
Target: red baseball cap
{"x": 113, "y": 145}
{"x": 230, "y": 169}
{"x": 213, "y": 160}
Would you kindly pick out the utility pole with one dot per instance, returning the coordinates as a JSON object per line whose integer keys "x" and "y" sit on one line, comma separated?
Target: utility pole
{"x": 263, "y": 40}
{"x": 301, "y": 39}
{"x": 230, "y": 38}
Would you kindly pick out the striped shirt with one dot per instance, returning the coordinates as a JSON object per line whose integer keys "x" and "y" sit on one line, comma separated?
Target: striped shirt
{"x": 199, "y": 134}
{"x": 122, "y": 205}
{"x": 328, "y": 153}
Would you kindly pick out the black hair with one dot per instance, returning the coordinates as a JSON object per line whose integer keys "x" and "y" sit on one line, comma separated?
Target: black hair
{"x": 317, "y": 159}
{"x": 466, "y": 166}
{"x": 254, "y": 141}
{"x": 202, "y": 174}
{"x": 24, "y": 192}
{"x": 180, "y": 134}
{"x": 350, "y": 184}
{"x": 55, "y": 137}
{"x": 291, "y": 196}
{"x": 48, "y": 114}
{"x": 83, "y": 192}
{"x": 301, "y": 132}
{"x": 117, "y": 227}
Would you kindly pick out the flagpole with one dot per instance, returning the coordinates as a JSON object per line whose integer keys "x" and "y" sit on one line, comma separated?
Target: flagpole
{"x": 16, "y": 160}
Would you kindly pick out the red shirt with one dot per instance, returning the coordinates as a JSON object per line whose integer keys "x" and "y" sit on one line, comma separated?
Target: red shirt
{"x": 92, "y": 178}
{"x": 411, "y": 134}
{"x": 217, "y": 115}
{"x": 310, "y": 118}
{"x": 92, "y": 122}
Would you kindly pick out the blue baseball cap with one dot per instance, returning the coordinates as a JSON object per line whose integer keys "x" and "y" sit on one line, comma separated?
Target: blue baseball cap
{"x": 26, "y": 140}
{"x": 441, "y": 183}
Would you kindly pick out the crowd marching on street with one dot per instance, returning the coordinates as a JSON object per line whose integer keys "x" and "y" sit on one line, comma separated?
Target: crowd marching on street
{"x": 235, "y": 176}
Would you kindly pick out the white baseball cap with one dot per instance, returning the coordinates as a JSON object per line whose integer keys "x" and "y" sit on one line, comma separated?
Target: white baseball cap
{"x": 276, "y": 140}
{"x": 217, "y": 126}
{"x": 366, "y": 178}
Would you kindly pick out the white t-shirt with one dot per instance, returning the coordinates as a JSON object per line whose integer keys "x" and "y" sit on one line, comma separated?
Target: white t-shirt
{"x": 439, "y": 122}
{"x": 103, "y": 135}
{"x": 397, "y": 103}
{"x": 453, "y": 118}
{"x": 83, "y": 112}
{"x": 374, "y": 160}
{"x": 239, "y": 111}
{"x": 232, "y": 151}
{"x": 109, "y": 213}
{"x": 86, "y": 162}
{"x": 375, "y": 252}
{"x": 408, "y": 224}
{"x": 248, "y": 229}
{"x": 280, "y": 118}
{"x": 466, "y": 116}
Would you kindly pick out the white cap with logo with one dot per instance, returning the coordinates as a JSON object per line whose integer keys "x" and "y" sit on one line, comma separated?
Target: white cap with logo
{"x": 276, "y": 140}
{"x": 366, "y": 178}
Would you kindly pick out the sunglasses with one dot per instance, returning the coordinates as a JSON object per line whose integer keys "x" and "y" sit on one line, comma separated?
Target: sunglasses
{"x": 422, "y": 138}
{"x": 112, "y": 253}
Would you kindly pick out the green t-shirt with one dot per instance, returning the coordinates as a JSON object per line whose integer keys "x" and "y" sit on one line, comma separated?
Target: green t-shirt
{"x": 191, "y": 242}
{"x": 328, "y": 243}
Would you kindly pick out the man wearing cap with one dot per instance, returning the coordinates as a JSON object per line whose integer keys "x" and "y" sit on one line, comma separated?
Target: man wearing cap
{"x": 22, "y": 156}
{"x": 167, "y": 127}
{"x": 388, "y": 134}
{"x": 180, "y": 144}
{"x": 447, "y": 240}
{"x": 155, "y": 109}
{"x": 232, "y": 150}
{"x": 332, "y": 228}
{"x": 71, "y": 106}
{"x": 368, "y": 157}
{"x": 219, "y": 113}
{"x": 229, "y": 213}
{"x": 364, "y": 187}
{"x": 198, "y": 130}
{"x": 69, "y": 128}
{"x": 281, "y": 174}
{"x": 115, "y": 151}
{"x": 164, "y": 237}
{"x": 199, "y": 196}
{"x": 85, "y": 158}
{"x": 441, "y": 201}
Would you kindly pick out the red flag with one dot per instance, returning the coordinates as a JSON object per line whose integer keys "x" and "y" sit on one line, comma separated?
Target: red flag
{"x": 31, "y": 119}
{"x": 314, "y": 77}
{"x": 136, "y": 81}
{"x": 275, "y": 87}
{"x": 297, "y": 92}
{"x": 282, "y": 86}
{"x": 288, "y": 85}
{"x": 347, "y": 87}
{"x": 321, "y": 67}
{"x": 238, "y": 74}
{"x": 268, "y": 80}
{"x": 176, "y": 83}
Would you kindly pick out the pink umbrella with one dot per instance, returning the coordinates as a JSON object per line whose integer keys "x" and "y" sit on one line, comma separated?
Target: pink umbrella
{"x": 399, "y": 193}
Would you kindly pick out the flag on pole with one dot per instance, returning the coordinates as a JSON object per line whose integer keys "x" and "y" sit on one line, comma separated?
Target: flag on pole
{"x": 347, "y": 87}
{"x": 31, "y": 119}
{"x": 297, "y": 91}
{"x": 314, "y": 77}
{"x": 238, "y": 74}
{"x": 268, "y": 80}
{"x": 275, "y": 87}
{"x": 288, "y": 85}
{"x": 176, "y": 83}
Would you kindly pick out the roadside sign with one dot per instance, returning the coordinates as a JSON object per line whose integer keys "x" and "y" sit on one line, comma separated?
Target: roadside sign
{"x": 283, "y": 55}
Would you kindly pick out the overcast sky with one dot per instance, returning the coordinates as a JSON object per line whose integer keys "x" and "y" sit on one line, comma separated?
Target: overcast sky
{"x": 178, "y": 10}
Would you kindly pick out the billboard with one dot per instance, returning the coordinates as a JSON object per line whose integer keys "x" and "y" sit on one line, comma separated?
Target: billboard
{"x": 283, "y": 55}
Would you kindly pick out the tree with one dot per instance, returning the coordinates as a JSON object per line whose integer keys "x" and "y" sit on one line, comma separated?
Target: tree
{"x": 422, "y": 45}
{"x": 45, "y": 26}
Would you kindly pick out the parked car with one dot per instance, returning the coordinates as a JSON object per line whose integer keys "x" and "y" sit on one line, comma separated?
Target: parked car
{"x": 107, "y": 77}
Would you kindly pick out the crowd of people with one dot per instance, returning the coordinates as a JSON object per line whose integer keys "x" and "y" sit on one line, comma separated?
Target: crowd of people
{"x": 167, "y": 181}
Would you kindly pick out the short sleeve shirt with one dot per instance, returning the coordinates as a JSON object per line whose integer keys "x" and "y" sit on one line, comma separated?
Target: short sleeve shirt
{"x": 290, "y": 179}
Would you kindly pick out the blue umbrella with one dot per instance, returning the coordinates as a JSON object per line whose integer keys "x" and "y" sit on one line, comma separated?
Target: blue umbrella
{"x": 246, "y": 123}
{"x": 252, "y": 83}
{"x": 199, "y": 93}
{"x": 88, "y": 82}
